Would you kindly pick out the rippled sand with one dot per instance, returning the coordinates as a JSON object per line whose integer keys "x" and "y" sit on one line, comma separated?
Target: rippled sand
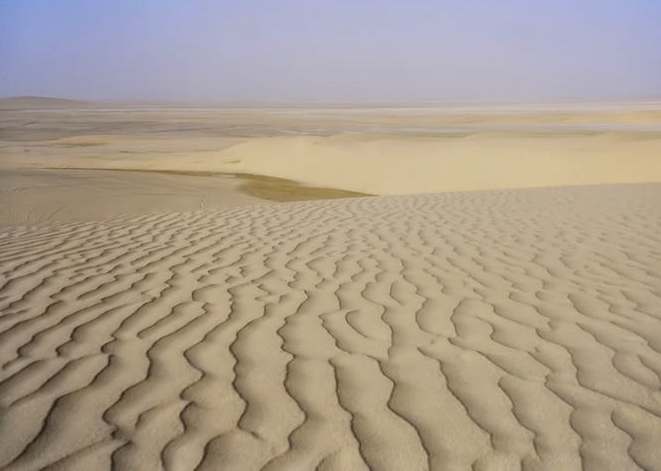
{"x": 499, "y": 330}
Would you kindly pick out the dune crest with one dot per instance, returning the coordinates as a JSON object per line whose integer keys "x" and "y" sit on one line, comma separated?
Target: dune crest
{"x": 364, "y": 150}
{"x": 483, "y": 161}
{"x": 499, "y": 330}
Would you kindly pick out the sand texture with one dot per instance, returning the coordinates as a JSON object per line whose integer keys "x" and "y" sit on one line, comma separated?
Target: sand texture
{"x": 505, "y": 330}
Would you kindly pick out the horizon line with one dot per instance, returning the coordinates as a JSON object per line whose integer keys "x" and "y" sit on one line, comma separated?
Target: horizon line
{"x": 256, "y": 103}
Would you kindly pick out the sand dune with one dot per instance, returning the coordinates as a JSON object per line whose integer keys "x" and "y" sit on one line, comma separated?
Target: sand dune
{"x": 367, "y": 150}
{"x": 40, "y": 102}
{"x": 500, "y": 330}
{"x": 377, "y": 164}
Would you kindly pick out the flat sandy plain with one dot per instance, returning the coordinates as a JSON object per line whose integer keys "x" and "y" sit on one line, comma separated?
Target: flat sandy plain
{"x": 158, "y": 310}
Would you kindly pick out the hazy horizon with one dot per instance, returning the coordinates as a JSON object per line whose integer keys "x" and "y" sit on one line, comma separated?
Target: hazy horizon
{"x": 331, "y": 51}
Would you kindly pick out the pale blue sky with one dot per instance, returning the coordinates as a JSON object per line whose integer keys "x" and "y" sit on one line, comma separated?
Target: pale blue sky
{"x": 331, "y": 50}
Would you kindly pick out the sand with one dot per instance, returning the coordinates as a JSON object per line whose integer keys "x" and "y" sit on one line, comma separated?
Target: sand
{"x": 43, "y": 196}
{"x": 367, "y": 150}
{"x": 488, "y": 330}
{"x": 46, "y": 196}
{"x": 163, "y": 307}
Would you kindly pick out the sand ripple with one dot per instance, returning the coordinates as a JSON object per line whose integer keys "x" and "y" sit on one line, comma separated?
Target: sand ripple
{"x": 488, "y": 331}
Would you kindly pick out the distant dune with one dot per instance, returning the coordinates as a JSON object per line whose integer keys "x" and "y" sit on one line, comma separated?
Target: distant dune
{"x": 367, "y": 150}
{"x": 40, "y": 102}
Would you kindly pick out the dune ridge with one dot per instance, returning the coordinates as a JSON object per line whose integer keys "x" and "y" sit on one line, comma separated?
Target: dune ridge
{"x": 357, "y": 149}
{"x": 39, "y": 102}
{"x": 502, "y": 330}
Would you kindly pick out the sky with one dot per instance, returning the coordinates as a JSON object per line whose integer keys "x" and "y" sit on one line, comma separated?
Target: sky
{"x": 331, "y": 50}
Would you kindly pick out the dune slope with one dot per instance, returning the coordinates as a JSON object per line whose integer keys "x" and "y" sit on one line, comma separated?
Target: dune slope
{"x": 500, "y": 330}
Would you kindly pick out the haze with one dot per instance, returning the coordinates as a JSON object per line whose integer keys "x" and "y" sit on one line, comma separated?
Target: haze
{"x": 326, "y": 51}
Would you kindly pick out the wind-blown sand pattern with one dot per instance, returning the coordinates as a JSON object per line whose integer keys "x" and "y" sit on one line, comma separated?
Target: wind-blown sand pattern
{"x": 498, "y": 330}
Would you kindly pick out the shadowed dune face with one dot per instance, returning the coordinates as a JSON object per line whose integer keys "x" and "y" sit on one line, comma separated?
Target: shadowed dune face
{"x": 492, "y": 330}
{"x": 282, "y": 190}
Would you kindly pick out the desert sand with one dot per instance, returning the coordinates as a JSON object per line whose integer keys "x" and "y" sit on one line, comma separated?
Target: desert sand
{"x": 366, "y": 150}
{"x": 160, "y": 311}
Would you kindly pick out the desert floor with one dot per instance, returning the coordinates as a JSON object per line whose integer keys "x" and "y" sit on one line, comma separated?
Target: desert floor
{"x": 177, "y": 290}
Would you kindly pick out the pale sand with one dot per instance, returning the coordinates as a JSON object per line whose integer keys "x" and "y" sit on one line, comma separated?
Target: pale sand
{"x": 374, "y": 151}
{"x": 174, "y": 321}
{"x": 37, "y": 196}
{"x": 490, "y": 330}
{"x": 47, "y": 196}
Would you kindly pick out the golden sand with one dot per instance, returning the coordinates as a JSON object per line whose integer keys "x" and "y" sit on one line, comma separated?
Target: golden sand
{"x": 180, "y": 321}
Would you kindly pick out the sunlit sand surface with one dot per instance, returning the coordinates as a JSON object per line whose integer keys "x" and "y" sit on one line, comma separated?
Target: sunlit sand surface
{"x": 366, "y": 150}
{"x": 185, "y": 317}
